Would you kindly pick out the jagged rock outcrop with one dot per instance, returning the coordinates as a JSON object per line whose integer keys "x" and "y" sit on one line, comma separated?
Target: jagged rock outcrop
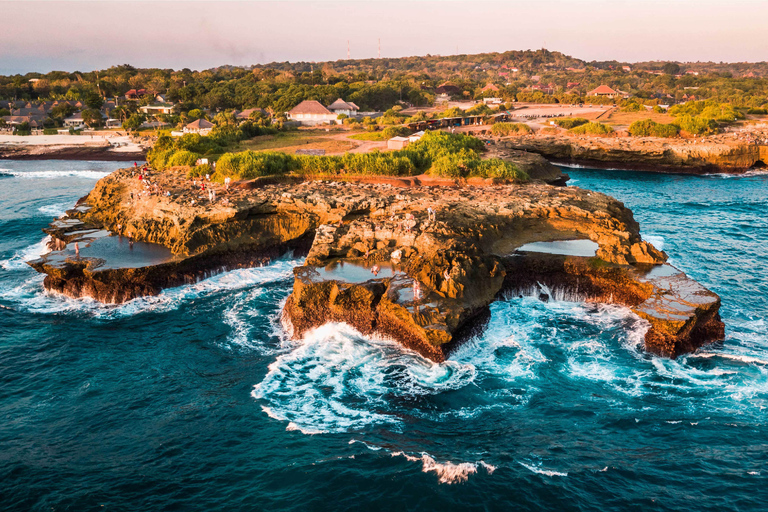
{"x": 418, "y": 263}
{"x": 660, "y": 155}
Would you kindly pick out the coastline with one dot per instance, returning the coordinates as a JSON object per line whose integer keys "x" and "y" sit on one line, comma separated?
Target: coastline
{"x": 113, "y": 148}
{"x": 672, "y": 156}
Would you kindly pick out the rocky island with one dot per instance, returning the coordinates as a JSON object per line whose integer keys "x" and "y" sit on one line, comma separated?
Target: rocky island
{"x": 418, "y": 259}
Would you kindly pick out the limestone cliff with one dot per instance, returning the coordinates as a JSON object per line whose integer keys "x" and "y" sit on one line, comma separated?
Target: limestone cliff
{"x": 418, "y": 263}
{"x": 653, "y": 154}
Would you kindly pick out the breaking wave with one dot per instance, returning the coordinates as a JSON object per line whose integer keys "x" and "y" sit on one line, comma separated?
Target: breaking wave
{"x": 55, "y": 210}
{"x": 20, "y": 257}
{"x": 30, "y": 296}
{"x": 86, "y": 174}
{"x": 337, "y": 380}
{"x": 536, "y": 468}
{"x": 447, "y": 472}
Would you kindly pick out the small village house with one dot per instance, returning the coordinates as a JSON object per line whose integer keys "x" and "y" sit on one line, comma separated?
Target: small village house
{"x": 200, "y": 126}
{"x": 311, "y": 113}
{"x": 75, "y": 121}
{"x": 161, "y": 108}
{"x": 604, "y": 90}
{"x": 343, "y": 107}
{"x": 397, "y": 142}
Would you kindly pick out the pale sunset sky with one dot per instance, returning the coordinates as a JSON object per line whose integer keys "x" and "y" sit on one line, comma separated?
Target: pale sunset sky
{"x": 83, "y": 36}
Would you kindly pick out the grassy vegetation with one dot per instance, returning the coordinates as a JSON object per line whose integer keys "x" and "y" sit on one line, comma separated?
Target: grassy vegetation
{"x": 650, "y": 128}
{"x": 704, "y": 117}
{"x": 437, "y": 153}
{"x": 570, "y": 122}
{"x": 505, "y": 129}
{"x": 386, "y": 134}
{"x": 592, "y": 128}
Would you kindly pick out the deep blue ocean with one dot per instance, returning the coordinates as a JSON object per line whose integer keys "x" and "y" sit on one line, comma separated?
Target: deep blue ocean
{"x": 196, "y": 400}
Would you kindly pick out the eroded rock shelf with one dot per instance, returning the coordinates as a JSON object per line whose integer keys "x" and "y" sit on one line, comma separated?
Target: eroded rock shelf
{"x": 415, "y": 262}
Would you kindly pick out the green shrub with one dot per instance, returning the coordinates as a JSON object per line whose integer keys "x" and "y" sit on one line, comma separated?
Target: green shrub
{"x": 650, "y": 128}
{"x": 633, "y": 106}
{"x": 481, "y": 109}
{"x": 249, "y": 164}
{"x": 158, "y": 159}
{"x": 592, "y": 129}
{"x": 396, "y": 131}
{"x": 455, "y": 165}
{"x": 497, "y": 168}
{"x": 757, "y": 111}
{"x": 375, "y": 136}
{"x": 50, "y": 131}
{"x": 709, "y": 110}
{"x": 696, "y": 125}
{"x": 199, "y": 170}
{"x": 187, "y": 158}
{"x": 570, "y": 122}
{"x": 504, "y": 129}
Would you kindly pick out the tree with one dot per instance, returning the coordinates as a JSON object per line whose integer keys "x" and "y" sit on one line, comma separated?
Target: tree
{"x": 92, "y": 99}
{"x": 134, "y": 122}
{"x": 92, "y": 117}
{"x": 671, "y": 68}
{"x": 61, "y": 111}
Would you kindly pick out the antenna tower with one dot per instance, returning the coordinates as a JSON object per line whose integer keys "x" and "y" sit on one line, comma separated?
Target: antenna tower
{"x": 347, "y": 49}
{"x": 379, "y": 47}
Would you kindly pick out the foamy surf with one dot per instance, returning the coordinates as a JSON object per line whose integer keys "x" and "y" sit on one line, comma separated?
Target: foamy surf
{"x": 337, "y": 380}
{"x": 447, "y": 472}
{"x": 31, "y": 297}
{"x": 55, "y": 210}
{"x": 536, "y": 468}
{"x": 20, "y": 257}
{"x": 85, "y": 174}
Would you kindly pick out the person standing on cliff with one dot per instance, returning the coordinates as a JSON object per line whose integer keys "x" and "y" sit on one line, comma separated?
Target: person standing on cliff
{"x": 416, "y": 290}
{"x": 226, "y": 183}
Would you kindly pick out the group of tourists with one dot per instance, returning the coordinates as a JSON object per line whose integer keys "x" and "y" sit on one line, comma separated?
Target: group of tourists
{"x": 151, "y": 188}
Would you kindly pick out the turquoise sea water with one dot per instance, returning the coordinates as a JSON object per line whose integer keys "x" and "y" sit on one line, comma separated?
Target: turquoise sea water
{"x": 196, "y": 399}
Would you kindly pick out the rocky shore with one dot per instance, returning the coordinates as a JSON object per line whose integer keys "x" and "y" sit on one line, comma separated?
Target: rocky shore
{"x": 71, "y": 147}
{"x": 697, "y": 156}
{"x": 411, "y": 258}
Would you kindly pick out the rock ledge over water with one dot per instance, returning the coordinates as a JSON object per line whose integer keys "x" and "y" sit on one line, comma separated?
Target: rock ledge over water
{"x": 437, "y": 274}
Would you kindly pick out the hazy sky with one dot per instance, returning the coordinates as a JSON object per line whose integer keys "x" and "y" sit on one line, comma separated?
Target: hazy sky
{"x": 83, "y": 36}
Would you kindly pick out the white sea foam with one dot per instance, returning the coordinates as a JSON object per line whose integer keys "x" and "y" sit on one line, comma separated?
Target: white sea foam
{"x": 30, "y": 295}
{"x": 447, "y": 472}
{"x": 371, "y": 447}
{"x": 19, "y": 259}
{"x": 55, "y": 210}
{"x": 87, "y": 174}
{"x": 655, "y": 240}
{"x": 337, "y": 380}
{"x": 731, "y": 357}
{"x": 536, "y": 468}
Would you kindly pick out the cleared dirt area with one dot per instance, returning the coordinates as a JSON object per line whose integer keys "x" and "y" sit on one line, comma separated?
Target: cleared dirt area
{"x": 290, "y": 142}
{"x": 627, "y": 118}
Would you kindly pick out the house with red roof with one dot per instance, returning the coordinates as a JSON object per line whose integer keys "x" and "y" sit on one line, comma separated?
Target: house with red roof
{"x": 604, "y": 90}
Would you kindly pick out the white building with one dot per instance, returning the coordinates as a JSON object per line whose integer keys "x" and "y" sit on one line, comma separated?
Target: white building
{"x": 343, "y": 107}
{"x": 310, "y": 113}
{"x": 200, "y": 126}
{"x": 75, "y": 121}
{"x": 163, "y": 108}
